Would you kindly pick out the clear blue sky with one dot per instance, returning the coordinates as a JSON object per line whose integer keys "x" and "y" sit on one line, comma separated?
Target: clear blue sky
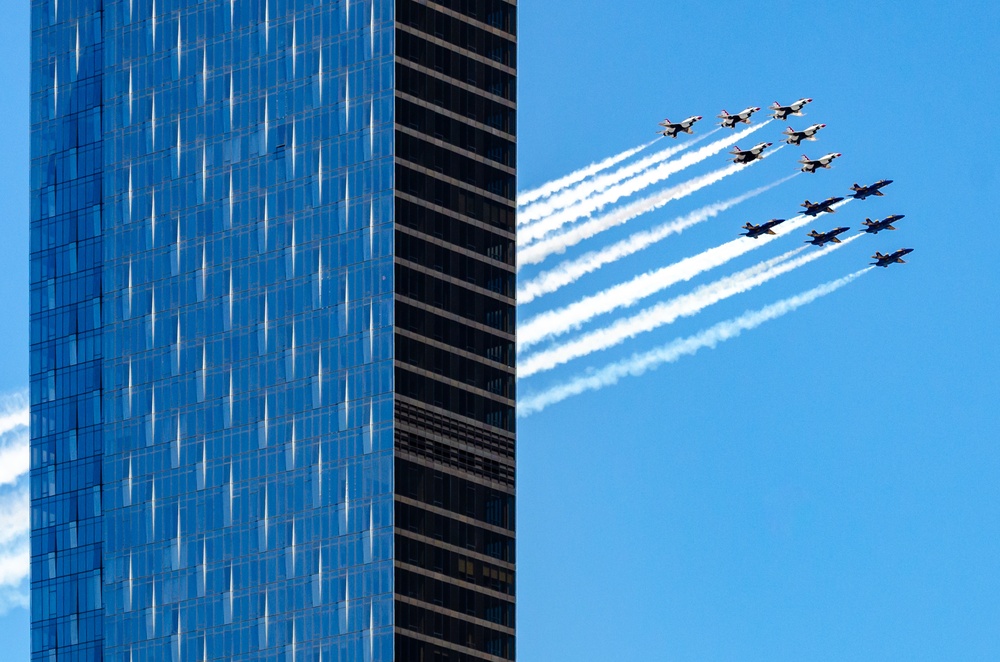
{"x": 823, "y": 487}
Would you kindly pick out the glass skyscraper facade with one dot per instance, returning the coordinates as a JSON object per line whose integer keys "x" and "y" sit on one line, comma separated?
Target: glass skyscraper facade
{"x": 272, "y": 325}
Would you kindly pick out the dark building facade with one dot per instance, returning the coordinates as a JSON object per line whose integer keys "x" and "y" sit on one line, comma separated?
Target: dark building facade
{"x": 454, "y": 336}
{"x": 272, "y": 327}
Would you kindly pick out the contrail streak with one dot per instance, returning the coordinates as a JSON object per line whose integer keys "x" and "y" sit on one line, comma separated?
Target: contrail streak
{"x": 537, "y": 252}
{"x": 556, "y": 322}
{"x": 670, "y": 311}
{"x": 13, "y": 411}
{"x": 571, "y": 270}
{"x": 583, "y": 191}
{"x": 15, "y": 552}
{"x": 556, "y": 185}
{"x": 588, "y": 204}
{"x": 638, "y": 364}
{"x": 14, "y": 458}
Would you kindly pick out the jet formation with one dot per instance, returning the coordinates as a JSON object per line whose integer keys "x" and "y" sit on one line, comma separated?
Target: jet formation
{"x": 816, "y": 238}
{"x": 781, "y": 112}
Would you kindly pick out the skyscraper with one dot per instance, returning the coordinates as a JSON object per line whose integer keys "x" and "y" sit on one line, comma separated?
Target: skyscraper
{"x": 272, "y": 318}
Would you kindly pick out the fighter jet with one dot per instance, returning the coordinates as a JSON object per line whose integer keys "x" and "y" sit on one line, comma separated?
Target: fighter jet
{"x": 810, "y": 165}
{"x": 886, "y": 260}
{"x": 820, "y": 238}
{"x": 748, "y": 155}
{"x": 814, "y": 208}
{"x": 754, "y": 231}
{"x": 876, "y": 226}
{"x": 671, "y": 129}
{"x": 795, "y": 137}
{"x": 862, "y": 192}
{"x": 730, "y": 121}
{"x": 782, "y": 112}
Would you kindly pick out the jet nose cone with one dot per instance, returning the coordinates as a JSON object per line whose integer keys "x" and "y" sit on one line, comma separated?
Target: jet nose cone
{"x": 839, "y": 154}
{"x": 808, "y": 100}
{"x": 888, "y": 181}
{"x": 822, "y": 126}
{"x": 699, "y": 117}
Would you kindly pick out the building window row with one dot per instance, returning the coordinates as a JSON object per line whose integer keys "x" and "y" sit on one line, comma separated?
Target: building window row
{"x": 458, "y": 32}
{"x": 468, "y": 103}
{"x": 460, "y": 134}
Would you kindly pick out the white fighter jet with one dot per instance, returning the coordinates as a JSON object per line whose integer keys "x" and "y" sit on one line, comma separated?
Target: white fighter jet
{"x": 671, "y": 129}
{"x": 810, "y": 165}
{"x": 809, "y": 133}
{"x": 730, "y": 121}
{"x": 748, "y": 155}
{"x": 782, "y": 112}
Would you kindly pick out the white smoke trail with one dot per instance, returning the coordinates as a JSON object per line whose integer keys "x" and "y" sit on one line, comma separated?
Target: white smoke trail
{"x": 556, "y": 322}
{"x": 13, "y": 455}
{"x": 537, "y": 252}
{"x": 556, "y": 185}
{"x": 588, "y": 203}
{"x": 14, "y": 527}
{"x": 670, "y": 311}
{"x": 583, "y": 191}
{"x": 638, "y": 364}
{"x": 13, "y": 411}
{"x": 571, "y": 270}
